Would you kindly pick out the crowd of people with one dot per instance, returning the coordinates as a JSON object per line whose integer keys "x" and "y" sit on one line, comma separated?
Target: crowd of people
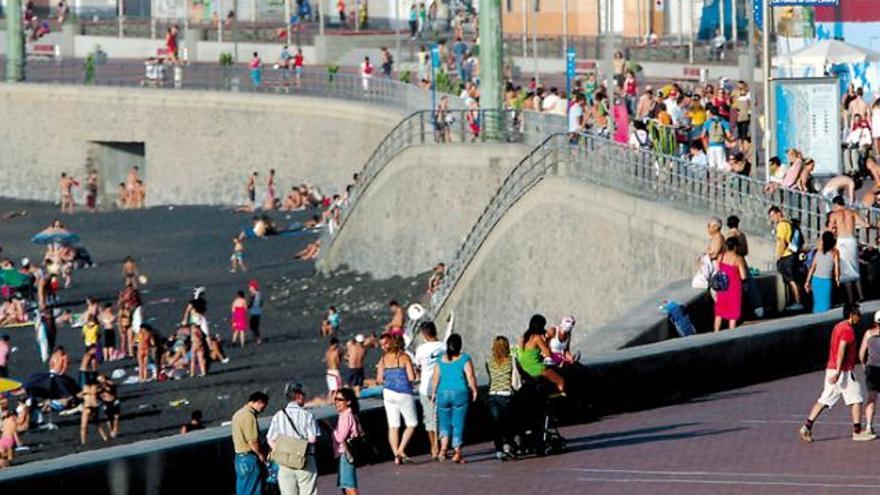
{"x": 422, "y": 379}
{"x": 131, "y": 193}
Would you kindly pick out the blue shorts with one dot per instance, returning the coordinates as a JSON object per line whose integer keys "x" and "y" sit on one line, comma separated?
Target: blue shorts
{"x": 346, "y": 477}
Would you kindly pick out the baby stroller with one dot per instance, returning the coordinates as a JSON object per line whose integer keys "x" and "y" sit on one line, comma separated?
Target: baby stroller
{"x": 539, "y": 409}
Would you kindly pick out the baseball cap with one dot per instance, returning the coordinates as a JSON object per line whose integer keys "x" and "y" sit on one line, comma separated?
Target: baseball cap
{"x": 877, "y": 317}
{"x": 25, "y": 262}
{"x": 359, "y": 338}
{"x": 254, "y": 284}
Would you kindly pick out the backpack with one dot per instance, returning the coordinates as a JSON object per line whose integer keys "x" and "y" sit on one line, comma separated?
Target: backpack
{"x": 716, "y": 131}
{"x": 796, "y": 244}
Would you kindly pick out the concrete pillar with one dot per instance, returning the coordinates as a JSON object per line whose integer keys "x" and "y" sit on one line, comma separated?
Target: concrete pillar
{"x": 14, "y": 42}
{"x": 191, "y": 38}
{"x": 491, "y": 65}
{"x": 68, "y": 38}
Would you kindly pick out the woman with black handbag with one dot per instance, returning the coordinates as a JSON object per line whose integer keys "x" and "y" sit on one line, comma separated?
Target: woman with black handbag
{"x": 347, "y": 440}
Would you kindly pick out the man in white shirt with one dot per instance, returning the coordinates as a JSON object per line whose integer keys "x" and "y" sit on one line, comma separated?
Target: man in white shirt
{"x": 427, "y": 355}
{"x": 551, "y": 101}
{"x": 296, "y": 422}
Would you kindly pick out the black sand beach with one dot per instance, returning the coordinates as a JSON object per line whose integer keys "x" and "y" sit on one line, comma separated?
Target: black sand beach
{"x": 179, "y": 248}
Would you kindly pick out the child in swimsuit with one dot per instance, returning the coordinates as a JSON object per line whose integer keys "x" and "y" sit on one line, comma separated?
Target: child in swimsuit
{"x": 237, "y": 257}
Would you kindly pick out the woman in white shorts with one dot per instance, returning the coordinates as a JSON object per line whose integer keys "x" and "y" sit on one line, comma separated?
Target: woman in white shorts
{"x": 396, "y": 373}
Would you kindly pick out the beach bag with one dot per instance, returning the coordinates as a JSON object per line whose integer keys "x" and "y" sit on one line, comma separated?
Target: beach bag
{"x": 290, "y": 452}
{"x": 515, "y": 377}
{"x": 358, "y": 449}
{"x": 719, "y": 281}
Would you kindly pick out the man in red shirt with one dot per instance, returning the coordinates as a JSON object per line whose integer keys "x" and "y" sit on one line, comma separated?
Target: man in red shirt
{"x": 839, "y": 377}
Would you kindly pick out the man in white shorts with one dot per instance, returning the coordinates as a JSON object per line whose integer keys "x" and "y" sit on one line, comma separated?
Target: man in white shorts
{"x": 840, "y": 380}
{"x": 427, "y": 355}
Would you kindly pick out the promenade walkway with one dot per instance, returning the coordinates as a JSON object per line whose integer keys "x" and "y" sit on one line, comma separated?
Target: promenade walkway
{"x": 736, "y": 442}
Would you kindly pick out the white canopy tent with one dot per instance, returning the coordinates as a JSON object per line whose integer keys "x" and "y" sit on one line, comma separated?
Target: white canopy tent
{"x": 827, "y": 52}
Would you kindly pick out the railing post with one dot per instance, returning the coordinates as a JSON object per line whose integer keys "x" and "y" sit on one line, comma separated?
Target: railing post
{"x": 422, "y": 126}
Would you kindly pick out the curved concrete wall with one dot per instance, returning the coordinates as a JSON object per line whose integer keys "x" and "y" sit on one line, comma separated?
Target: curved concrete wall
{"x": 572, "y": 247}
{"x": 419, "y": 209}
{"x": 200, "y": 146}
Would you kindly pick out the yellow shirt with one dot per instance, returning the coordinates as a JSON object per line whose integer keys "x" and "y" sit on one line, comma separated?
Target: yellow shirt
{"x": 698, "y": 118}
{"x": 783, "y": 236}
{"x": 90, "y": 333}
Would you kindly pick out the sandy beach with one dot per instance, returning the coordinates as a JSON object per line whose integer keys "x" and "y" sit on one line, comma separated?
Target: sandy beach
{"x": 178, "y": 248}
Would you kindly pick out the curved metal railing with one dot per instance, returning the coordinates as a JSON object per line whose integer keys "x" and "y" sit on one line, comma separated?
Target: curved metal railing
{"x": 648, "y": 174}
{"x": 417, "y": 129}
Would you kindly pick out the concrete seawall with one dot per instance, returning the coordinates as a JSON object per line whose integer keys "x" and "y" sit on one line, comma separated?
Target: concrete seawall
{"x": 572, "y": 247}
{"x": 194, "y": 147}
{"x": 419, "y": 209}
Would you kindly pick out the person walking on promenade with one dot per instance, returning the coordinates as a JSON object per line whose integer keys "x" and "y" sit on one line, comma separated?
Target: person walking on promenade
{"x": 239, "y": 318}
{"x": 500, "y": 369}
{"x": 296, "y": 422}
{"x": 844, "y": 222}
{"x": 453, "y": 387}
{"x": 728, "y": 303}
{"x": 788, "y": 242}
{"x": 347, "y": 426}
{"x": 249, "y": 454}
{"x": 869, "y": 354}
{"x": 824, "y": 273}
{"x": 395, "y": 372}
{"x": 427, "y": 354}
{"x": 840, "y": 380}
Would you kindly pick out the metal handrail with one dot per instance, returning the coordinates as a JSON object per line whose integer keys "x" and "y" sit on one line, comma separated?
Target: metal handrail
{"x": 420, "y": 128}
{"x": 648, "y": 174}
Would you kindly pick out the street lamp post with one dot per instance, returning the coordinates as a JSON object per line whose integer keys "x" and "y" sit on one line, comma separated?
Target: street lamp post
{"x": 535, "y": 42}
{"x": 14, "y": 43}
{"x": 564, "y": 28}
{"x": 767, "y": 17}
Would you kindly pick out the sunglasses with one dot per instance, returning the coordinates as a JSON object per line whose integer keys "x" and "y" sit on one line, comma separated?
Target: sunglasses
{"x": 338, "y": 399}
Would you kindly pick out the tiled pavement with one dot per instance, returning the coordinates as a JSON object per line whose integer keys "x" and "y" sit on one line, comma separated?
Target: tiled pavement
{"x": 737, "y": 442}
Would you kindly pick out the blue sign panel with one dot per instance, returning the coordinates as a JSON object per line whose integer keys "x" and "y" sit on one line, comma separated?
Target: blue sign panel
{"x": 804, "y": 3}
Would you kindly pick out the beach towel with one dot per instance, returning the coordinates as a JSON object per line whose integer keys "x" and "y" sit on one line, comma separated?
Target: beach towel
{"x": 849, "y": 259}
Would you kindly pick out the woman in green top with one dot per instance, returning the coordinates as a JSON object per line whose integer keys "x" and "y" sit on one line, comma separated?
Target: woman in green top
{"x": 533, "y": 351}
{"x": 500, "y": 369}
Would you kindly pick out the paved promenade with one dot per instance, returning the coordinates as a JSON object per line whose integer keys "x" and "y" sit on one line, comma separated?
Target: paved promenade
{"x": 737, "y": 442}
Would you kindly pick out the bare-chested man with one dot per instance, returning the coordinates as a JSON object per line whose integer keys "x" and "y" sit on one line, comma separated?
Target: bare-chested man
{"x": 131, "y": 181}
{"x": 354, "y": 360}
{"x": 844, "y": 222}
{"x": 59, "y": 362}
{"x": 843, "y": 186}
{"x": 67, "y": 184}
{"x": 334, "y": 378}
{"x": 395, "y": 326}
{"x": 716, "y": 240}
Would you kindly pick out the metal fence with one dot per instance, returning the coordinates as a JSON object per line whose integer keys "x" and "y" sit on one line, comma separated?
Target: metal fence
{"x": 654, "y": 176}
{"x": 427, "y": 127}
{"x": 314, "y": 81}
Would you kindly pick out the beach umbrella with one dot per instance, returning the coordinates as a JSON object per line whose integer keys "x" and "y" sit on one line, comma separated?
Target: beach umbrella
{"x": 6, "y": 385}
{"x": 51, "y": 386}
{"x": 58, "y": 236}
{"x": 827, "y": 52}
{"x": 13, "y": 278}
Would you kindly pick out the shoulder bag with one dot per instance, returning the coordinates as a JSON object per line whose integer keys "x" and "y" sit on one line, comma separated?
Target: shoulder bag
{"x": 357, "y": 448}
{"x": 290, "y": 452}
